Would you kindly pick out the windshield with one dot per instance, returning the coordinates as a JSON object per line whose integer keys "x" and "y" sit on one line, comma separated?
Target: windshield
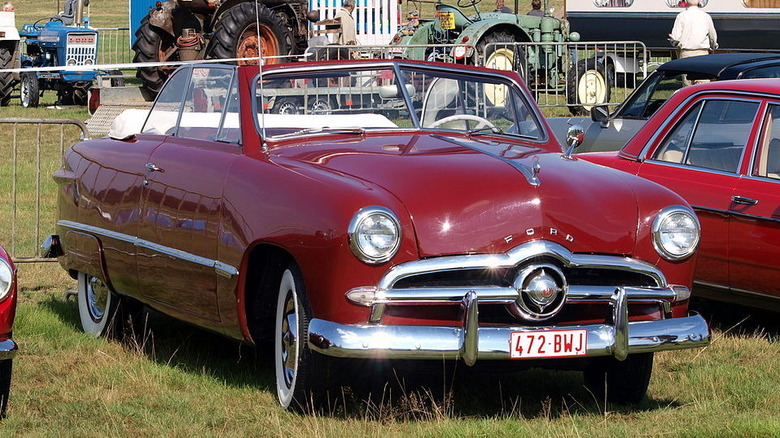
{"x": 650, "y": 95}
{"x": 389, "y": 98}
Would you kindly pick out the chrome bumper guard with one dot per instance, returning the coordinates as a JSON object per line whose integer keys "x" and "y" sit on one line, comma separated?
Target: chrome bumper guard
{"x": 8, "y": 349}
{"x": 471, "y": 342}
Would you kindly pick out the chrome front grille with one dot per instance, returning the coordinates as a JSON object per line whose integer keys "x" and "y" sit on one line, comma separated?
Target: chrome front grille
{"x": 445, "y": 280}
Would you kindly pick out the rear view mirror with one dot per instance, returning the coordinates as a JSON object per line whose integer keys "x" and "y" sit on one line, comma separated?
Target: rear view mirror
{"x": 600, "y": 113}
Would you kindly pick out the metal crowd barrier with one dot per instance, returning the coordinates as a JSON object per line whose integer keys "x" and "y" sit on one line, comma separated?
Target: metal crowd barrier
{"x": 28, "y": 158}
{"x": 558, "y": 74}
{"x": 114, "y": 46}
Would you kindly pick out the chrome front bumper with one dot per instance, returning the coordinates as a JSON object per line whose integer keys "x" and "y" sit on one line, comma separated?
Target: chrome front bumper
{"x": 8, "y": 349}
{"x": 471, "y": 342}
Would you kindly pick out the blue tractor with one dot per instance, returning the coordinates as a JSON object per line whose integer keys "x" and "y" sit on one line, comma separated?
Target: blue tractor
{"x": 65, "y": 40}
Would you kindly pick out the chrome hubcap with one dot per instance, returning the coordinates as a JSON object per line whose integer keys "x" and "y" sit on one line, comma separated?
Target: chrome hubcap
{"x": 97, "y": 298}
{"x": 289, "y": 338}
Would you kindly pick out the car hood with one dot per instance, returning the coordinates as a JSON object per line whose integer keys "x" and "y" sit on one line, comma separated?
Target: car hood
{"x": 477, "y": 195}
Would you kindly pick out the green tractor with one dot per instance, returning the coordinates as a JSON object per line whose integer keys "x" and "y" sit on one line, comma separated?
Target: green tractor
{"x": 489, "y": 39}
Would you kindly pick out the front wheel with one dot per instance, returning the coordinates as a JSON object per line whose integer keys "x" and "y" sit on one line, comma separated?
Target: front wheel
{"x": 293, "y": 360}
{"x": 587, "y": 85}
{"x": 6, "y": 367}
{"x": 623, "y": 382}
{"x": 30, "y": 94}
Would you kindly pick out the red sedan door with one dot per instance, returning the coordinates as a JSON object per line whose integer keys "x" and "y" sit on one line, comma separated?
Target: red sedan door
{"x": 699, "y": 158}
{"x": 755, "y": 227}
{"x": 182, "y": 200}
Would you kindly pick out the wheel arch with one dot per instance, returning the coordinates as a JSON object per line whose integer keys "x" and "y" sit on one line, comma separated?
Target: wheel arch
{"x": 478, "y": 32}
{"x": 264, "y": 265}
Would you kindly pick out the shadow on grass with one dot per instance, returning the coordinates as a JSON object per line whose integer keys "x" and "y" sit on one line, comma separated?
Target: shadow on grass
{"x": 373, "y": 390}
{"x": 735, "y": 320}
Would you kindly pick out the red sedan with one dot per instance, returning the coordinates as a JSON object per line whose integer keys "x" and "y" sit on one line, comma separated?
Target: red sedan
{"x": 379, "y": 209}
{"x": 718, "y": 145}
{"x": 8, "y": 347}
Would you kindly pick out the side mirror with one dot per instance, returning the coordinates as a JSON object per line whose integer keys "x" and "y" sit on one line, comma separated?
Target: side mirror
{"x": 600, "y": 114}
{"x": 574, "y": 137}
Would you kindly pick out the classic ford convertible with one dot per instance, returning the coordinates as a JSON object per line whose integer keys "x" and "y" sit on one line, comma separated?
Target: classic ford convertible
{"x": 377, "y": 209}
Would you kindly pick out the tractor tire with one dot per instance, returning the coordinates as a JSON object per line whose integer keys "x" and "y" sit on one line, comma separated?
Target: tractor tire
{"x": 235, "y": 35}
{"x": 7, "y": 81}
{"x": 150, "y": 45}
{"x": 496, "y": 56}
{"x": 73, "y": 96}
{"x": 30, "y": 93}
{"x": 587, "y": 85}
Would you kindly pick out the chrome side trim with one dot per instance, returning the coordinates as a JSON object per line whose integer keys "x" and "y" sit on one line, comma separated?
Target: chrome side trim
{"x": 8, "y": 349}
{"x": 440, "y": 342}
{"x": 220, "y": 268}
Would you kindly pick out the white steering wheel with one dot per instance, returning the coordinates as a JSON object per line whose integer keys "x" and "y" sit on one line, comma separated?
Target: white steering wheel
{"x": 481, "y": 122}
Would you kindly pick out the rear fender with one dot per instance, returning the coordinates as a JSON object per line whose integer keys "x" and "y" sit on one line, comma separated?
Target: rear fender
{"x": 478, "y": 30}
{"x": 84, "y": 253}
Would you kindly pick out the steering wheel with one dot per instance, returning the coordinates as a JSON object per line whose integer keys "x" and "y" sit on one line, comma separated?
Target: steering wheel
{"x": 481, "y": 123}
{"x": 467, "y": 3}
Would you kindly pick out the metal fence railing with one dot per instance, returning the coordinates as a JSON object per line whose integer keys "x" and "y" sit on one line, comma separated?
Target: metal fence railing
{"x": 114, "y": 46}
{"x": 573, "y": 75}
{"x": 28, "y": 193}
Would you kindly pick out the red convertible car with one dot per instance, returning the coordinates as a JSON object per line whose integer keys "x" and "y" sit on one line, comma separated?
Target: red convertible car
{"x": 8, "y": 347}
{"x": 377, "y": 209}
{"x": 718, "y": 146}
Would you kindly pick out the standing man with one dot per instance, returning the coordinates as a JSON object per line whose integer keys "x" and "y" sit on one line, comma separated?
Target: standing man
{"x": 348, "y": 33}
{"x": 693, "y": 32}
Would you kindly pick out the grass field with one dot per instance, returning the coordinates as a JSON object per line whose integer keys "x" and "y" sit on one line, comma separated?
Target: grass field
{"x": 180, "y": 381}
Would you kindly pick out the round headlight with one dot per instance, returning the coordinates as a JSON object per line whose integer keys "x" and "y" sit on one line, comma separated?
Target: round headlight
{"x": 676, "y": 233}
{"x": 374, "y": 234}
{"x": 6, "y": 278}
{"x": 71, "y": 62}
{"x": 89, "y": 61}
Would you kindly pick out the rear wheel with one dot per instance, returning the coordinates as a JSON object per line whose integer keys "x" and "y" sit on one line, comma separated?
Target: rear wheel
{"x": 622, "y": 382}
{"x": 97, "y": 305}
{"x": 236, "y": 35}
{"x": 587, "y": 85}
{"x": 73, "y": 96}
{"x": 151, "y": 45}
{"x": 7, "y": 81}
{"x": 499, "y": 52}
{"x": 29, "y": 93}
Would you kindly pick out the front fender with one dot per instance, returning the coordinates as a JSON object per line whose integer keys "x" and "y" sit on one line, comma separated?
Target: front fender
{"x": 475, "y": 32}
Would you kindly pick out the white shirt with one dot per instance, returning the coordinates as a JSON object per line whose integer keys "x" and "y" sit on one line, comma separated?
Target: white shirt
{"x": 693, "y": 29}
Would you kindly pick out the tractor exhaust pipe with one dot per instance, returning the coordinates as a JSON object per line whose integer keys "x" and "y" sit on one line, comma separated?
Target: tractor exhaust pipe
{"x": 78, "y": 13}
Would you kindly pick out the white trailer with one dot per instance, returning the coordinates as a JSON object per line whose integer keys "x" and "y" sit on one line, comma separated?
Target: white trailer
{"x": 741, "y": 24}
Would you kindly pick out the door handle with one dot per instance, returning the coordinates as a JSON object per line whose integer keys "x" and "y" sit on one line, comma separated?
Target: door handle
{"x": 743, "y": 200}
{"x": 151, "y": 167}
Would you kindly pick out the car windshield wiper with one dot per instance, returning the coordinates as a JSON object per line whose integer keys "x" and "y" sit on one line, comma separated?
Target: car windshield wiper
{"x": 342, "y": 130}
{"x": 486, "y": 130}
